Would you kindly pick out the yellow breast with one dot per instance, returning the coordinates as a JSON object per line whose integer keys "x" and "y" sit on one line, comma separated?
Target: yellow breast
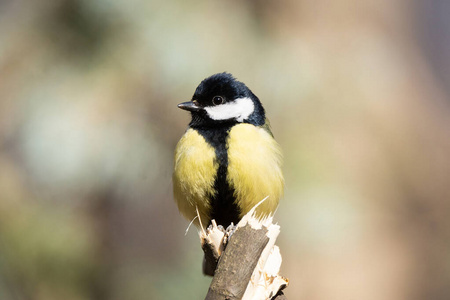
{"x": 254, "y": 168}
{"x": 194, "y": 174}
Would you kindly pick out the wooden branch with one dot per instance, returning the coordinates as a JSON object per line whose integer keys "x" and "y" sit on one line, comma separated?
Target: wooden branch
{"x": 214, "y": 241}
{"x": 248, "y": 260}
{"x": 210, "y": 260}
{"x": 237, "y": 263}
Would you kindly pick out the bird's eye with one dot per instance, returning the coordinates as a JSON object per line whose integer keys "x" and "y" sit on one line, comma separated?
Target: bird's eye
{"x": 217, "y": 100}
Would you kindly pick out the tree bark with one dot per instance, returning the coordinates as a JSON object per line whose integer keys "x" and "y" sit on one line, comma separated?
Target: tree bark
{"x": 237, "y": 263}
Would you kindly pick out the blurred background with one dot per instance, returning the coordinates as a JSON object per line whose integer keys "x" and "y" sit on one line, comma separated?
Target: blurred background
{"x": 358, "y": 96}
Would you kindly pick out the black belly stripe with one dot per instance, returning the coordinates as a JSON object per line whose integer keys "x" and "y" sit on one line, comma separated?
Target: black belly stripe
{"x": 224, "y": 209}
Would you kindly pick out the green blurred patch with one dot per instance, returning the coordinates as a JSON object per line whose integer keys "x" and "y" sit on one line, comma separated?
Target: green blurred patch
{"x": 46, "y": 253}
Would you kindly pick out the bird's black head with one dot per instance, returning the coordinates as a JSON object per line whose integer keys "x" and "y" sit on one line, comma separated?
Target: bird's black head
{"x": 222, "y": 100}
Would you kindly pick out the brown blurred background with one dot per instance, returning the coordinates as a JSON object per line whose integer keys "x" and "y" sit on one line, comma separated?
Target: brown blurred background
{"x": 358, "y": 96}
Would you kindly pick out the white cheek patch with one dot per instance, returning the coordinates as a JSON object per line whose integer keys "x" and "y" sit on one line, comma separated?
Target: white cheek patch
{"x": 240, "y": 109}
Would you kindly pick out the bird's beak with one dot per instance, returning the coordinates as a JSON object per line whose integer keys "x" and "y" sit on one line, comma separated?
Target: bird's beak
{"x": 190, "y": 106}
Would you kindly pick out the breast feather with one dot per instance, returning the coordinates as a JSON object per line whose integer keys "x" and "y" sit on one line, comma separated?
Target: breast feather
{"x": 254, "y": 169}
{"x": 194, "y": 173}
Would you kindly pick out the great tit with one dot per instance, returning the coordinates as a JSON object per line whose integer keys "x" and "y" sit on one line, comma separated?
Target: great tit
{"x": 227, "y": 161}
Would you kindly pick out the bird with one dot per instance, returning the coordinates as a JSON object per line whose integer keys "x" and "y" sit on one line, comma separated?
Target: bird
{"x": 227, "y": 161}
